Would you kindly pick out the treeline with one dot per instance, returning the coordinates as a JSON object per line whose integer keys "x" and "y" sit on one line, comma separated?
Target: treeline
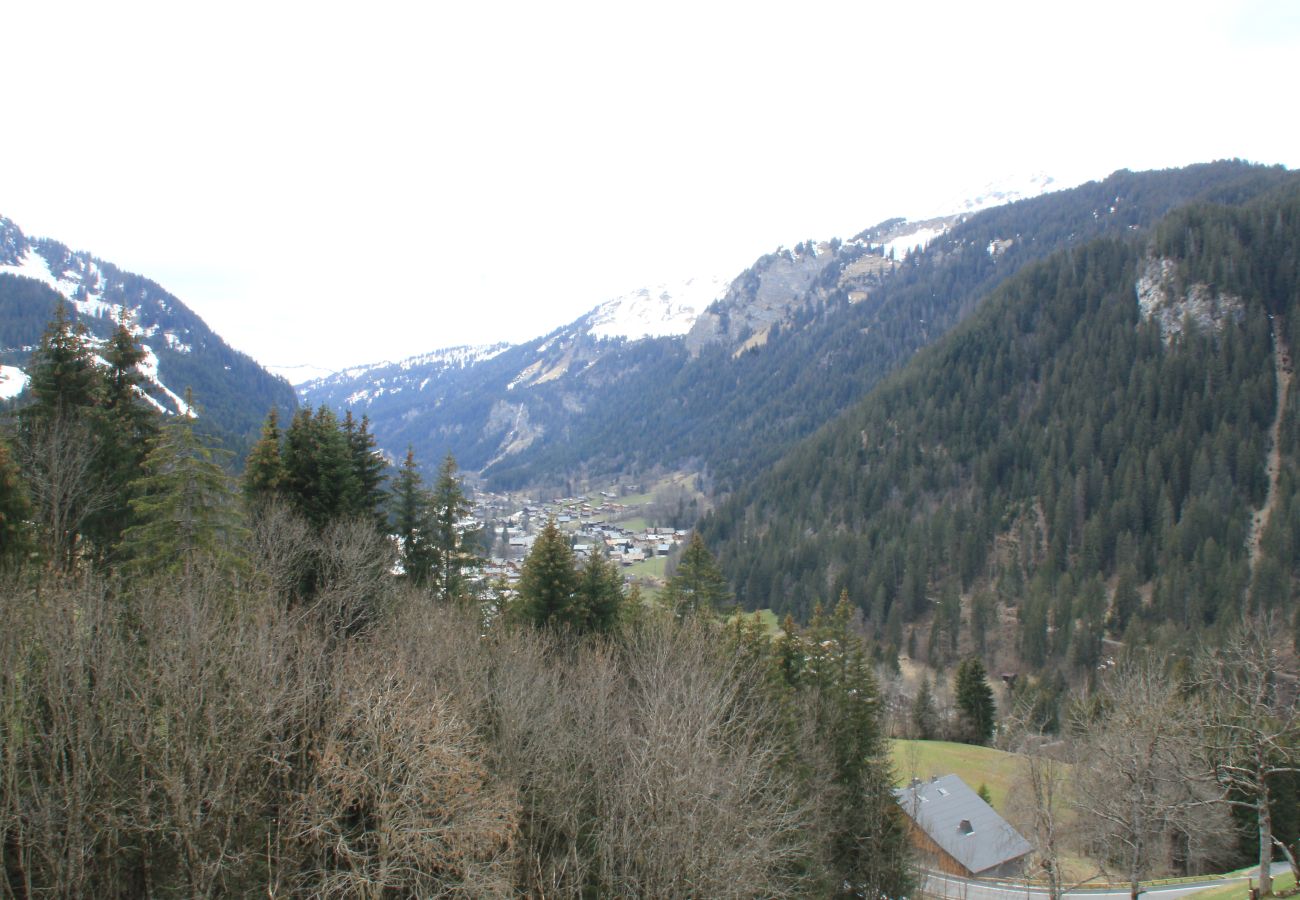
{"x": 1056, "y": 455}
{"x": 294, "y": 685}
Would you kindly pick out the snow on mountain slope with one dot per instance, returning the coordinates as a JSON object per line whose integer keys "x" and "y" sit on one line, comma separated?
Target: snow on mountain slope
{"x": 12, "y": 382}
{"x": 665, "y": 310}
{"x": 85, "y": 294}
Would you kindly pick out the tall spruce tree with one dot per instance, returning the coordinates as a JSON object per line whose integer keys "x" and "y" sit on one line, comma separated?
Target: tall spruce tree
{"x": 975, "y": 701}
{"x": 264, "y": 474}
{"x": 320, "y": 478}
{"x": 368, "y": 467}
{"x": 412, "y": 522}
{"x": 548, "y": 584}
{"x": 867, "y": 847}
{"x": 600, "y": 594}
{"x": 453, "y": 549}
{"x": 126, "y": 426}
{"x": 184, "y": 506}
{"x": 697, "y": 587}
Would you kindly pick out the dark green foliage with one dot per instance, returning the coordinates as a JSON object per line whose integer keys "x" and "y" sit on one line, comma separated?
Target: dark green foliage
{"x": 840, "y": 700}
{"x": 698, "y": 586}
{"x": 1058, "y": 422}
{"x": 453, "y": 553}
{"x": 975, "y": 702}
{"x": 925, "y": 717}
{"x": 264, "y": 473}
{"x": 368, "y": 467}
{"x": 412, "y": 522}
{"x": 600, "y": 594}
{"x": 319, "y": 476}
{"x": 548, "y": 584}
{"x": 63, "y": 373}
{"x": 184, "y": 507}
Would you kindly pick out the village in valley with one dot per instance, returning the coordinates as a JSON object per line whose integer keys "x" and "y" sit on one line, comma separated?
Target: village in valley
{"x": 636, "y": 528}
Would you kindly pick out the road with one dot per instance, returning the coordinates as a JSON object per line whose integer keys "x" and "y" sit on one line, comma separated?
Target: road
{"x": 954, "y": 888}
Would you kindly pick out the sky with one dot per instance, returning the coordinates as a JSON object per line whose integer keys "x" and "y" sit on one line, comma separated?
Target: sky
{"x": 332, "y": 184}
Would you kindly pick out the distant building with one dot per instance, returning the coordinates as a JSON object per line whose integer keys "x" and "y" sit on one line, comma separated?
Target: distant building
{"x": 958, "y": 833}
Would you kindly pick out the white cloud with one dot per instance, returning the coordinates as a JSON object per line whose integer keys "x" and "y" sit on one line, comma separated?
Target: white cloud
{"x": 333, "y": 184}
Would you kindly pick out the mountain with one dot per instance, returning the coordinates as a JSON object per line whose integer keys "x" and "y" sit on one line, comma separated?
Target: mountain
{"x": 775, "y": 353}
{"x": 1106, "y": 450}
{"x": 231, "y": 391}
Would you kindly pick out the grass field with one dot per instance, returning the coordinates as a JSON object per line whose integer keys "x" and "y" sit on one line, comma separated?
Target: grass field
{"x": 1239, "y": 890}
{"x": 975, "y": 765}
{"x": 650, "y": 568}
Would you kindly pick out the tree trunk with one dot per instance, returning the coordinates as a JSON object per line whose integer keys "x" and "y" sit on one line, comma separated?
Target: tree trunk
{"x": 1265, "y": 842}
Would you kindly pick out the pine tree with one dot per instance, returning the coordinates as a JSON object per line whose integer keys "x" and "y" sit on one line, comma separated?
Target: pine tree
{"x": 697, "y": 587}
{"x": 126, "y": 426}
{"x": 548, "y": 584}
{"x": 264, "y": 469}
{"x": 63, "y": 373}
{"x": 412, "y": 522}
{"x": 867, "y": 842}
{"x": 368, "y": 468}
{"x": 975, "y": 701}
{"x": 448, "y": 507}
{"x": 183, "y": 505}
{"x": 600, "y": 594}
{"x": 320, "y": 479}
{"x": 925, "y": 718}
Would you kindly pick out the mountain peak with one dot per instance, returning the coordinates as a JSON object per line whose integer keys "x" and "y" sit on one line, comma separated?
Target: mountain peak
{"x": 664, "y": 310}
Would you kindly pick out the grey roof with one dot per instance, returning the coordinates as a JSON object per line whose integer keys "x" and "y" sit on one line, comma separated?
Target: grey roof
{"x": 961, "y": 823}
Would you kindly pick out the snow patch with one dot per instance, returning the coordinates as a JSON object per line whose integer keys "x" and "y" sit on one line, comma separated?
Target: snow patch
{"x": 12, "y": 382}
{"x": 33, "y": 265}
{"x": 915, "y": 239}
{"x": 665, "y": 310}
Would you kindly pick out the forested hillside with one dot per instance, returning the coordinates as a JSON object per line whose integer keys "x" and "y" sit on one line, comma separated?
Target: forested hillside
{"x": 1093, "y": 449}
{"x": 181, "y": 353}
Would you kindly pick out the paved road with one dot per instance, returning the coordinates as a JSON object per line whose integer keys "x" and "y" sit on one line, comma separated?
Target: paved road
{"x": 949, "y": 886}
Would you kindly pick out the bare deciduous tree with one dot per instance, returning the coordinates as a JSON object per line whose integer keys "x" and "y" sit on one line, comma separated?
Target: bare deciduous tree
{"x": 1254, "y": 730}
{"x": 1141, "y": 792}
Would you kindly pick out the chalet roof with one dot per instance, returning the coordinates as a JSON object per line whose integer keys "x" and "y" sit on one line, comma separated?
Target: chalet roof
{"x": 963, "y": 825}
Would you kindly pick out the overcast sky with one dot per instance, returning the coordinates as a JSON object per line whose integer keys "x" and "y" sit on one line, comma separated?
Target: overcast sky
{"x": 333, "y": 183}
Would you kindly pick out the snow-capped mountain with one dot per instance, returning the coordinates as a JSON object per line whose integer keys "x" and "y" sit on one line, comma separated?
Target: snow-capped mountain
{"x": 725, "y": 375}
{"x": 231, "y": 391}
{"x": 665, "y": 310}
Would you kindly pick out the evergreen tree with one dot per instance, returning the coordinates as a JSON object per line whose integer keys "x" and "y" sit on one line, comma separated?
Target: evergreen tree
{"x": 63, "y": 373}
{"x": 697, "y": 586}
{"x": 600, "y": 594}
{"x": 975, "y": 701}
{"x": 264, "y": 473}
{"x": 15, "y": 509}
{"x": 320, "y": 478}
{"x": 412, "y": 522}
{"x": 183, "y": 505}
{"x": 126, "y": 426}
{"x": 925, "y": 718}
{"x": 867, "y": 842}
{"x": 548, "y": 584}
{"x": 448, "y": 507}
{"x": 368, "y": 467}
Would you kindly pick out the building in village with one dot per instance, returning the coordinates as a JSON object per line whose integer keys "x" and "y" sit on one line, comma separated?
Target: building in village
{"x": 958, "y": 833}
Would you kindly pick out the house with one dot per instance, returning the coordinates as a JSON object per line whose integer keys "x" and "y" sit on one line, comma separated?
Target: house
{"x": 958, "y": 833}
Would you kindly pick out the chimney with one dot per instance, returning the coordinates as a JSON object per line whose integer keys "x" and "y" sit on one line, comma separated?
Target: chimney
{"x": 965, "y": 827}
